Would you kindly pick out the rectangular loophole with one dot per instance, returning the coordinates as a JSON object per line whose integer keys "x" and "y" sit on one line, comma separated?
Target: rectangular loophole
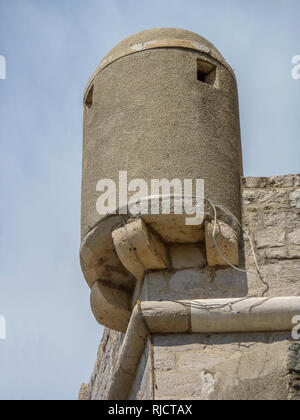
{"x": 206, "y": 72}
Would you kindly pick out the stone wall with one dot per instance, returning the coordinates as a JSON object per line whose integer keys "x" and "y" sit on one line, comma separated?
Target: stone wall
{"x": 224, "y": 366}
{"x": 271, "y": 211}
{"x": 98, "y": 386}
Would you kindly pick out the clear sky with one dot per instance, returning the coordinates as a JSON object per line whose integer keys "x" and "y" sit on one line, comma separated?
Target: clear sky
{"x": 51, "y": 48}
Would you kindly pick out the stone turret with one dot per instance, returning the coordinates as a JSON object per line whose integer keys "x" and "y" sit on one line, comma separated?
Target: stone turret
{"x": 163, "y": 104}
{"x": 183, "y": 301}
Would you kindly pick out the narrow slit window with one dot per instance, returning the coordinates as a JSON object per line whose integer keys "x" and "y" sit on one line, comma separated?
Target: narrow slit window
{"x": 206, "y": 72}
{"x": 89, "y": 98}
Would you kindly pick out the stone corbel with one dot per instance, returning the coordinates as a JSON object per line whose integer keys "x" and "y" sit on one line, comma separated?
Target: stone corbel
{"x": 139, "y": 249}
{"x": 227, "y": 240}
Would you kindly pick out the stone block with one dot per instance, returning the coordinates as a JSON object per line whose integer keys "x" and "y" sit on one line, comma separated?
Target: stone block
{"x": 282, "y": 277}
{"x": 189, "y": 279}
{"x": 294, "y": 237}
{"x": 164, "y": 361}
{"x": 227, "y": 240}
{"x": 275, "y": 218}
{"x": 295, "y": 198}
{"x": 281, "y": 181}
{"x": 254, "y": 182}
{"x": 231, "y": 280}
{"x": 139, "y": 248}
{"x": 277, "y": 253}
{"x": 113, "y": 301}
{"x": 249, "y": 197}
{"x": 273, "y": 199}
{"x": 84, "y": 393}
{"x": 294, "y": 251}
{"x": 197, "y": 385}
{"x": 186, "y": 256}
{"x": 270, "y": 237}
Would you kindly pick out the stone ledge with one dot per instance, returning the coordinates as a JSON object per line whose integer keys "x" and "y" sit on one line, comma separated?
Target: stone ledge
{"x": 249, "y": 315}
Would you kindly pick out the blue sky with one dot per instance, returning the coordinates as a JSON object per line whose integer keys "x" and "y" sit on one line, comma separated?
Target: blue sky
{"x": 51, "y": 48}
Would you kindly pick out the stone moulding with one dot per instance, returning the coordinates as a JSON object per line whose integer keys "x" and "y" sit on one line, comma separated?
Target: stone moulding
{"x": 224, "y": 316}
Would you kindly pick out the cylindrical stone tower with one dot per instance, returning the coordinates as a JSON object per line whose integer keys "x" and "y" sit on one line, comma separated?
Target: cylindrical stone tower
{"x": 162, "y": 104}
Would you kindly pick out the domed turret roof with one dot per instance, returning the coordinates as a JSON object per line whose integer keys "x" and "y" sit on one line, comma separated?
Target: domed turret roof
{"x": 157, "y": 34}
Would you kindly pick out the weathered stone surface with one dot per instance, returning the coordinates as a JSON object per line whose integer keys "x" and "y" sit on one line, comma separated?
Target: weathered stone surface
{"x": 223, "y": 367}
{"x": 252, "y": 182}
{"x": 189, "y": 279}
{"x": 294, "y": 251}
{"x": 275, "y": 231}
{"x": 165, "y": 361}
{"x": 282, "y": 252}
{"x": 230, "y": 280}
{"x": 141, "y": 389}
{"x": 294, "y": 237}
{"x": 273, "y": 198}
{"x": 84, "y": 393}
{"x": 282, "y": 181}
{"x": 113, "y": 301}
{"x": 227, "y": 240}
{"x": 248, "y": 197}
{"x": 174, "y": 385}
{"x": 273, "y": 218}
{"x": 295, "y": 198}
{"x": 194, "y": 283}
{"x": 218, "y": 366}
{"x": 282, "y": 278}
{"x": 139, "y": 249}
{"x": 106, "y": 359}
{"x": 293, "y": 365}
{"x": 167, "y": 317}
{"x": 272, "y": 237}
{"x": 172, "y": 228}
{"x": 187, "y": 256}
{"x": 294, "y": 358}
